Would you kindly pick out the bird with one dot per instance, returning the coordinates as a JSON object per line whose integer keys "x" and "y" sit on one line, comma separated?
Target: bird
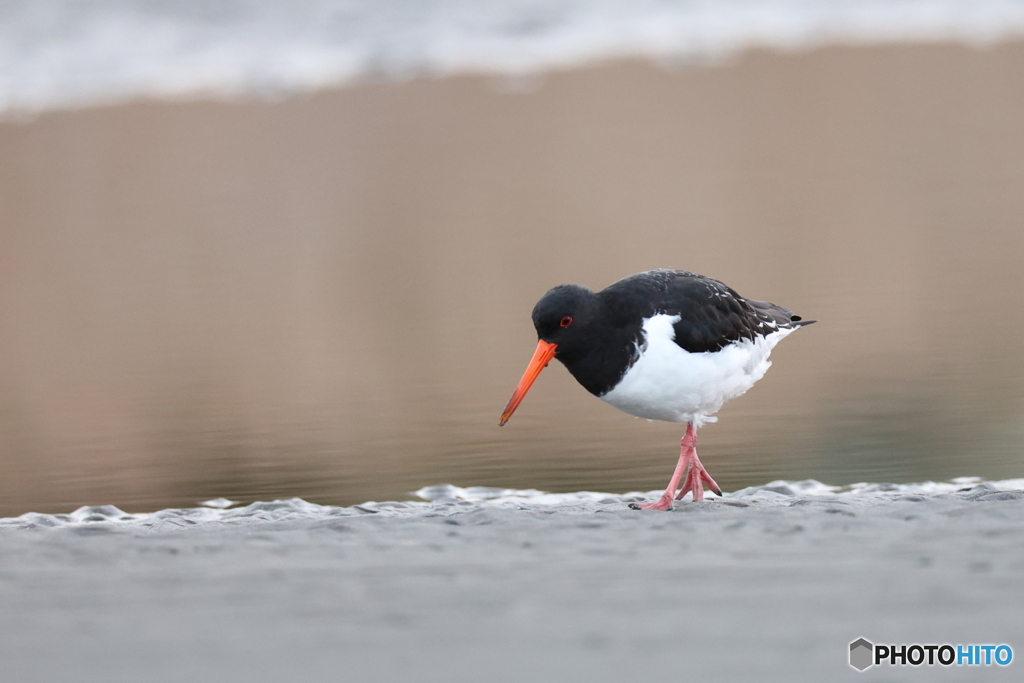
{"x": 662, "y": 345}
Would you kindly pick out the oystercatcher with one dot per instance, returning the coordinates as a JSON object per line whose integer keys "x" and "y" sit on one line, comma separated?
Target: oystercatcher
{"x": 663, "y": 345}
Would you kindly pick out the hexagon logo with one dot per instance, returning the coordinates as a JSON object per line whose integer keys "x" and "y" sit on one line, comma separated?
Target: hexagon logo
{"x": 861, "y": 654}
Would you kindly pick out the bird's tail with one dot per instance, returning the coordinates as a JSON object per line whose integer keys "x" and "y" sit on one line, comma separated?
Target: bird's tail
{"x": 783, "y": 317}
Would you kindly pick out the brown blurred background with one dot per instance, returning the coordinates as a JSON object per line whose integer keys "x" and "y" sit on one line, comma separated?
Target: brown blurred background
{"x": 329, "y": 296}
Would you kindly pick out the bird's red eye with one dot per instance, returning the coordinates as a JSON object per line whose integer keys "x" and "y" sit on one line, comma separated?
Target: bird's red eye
{"x": 566, "y": 321}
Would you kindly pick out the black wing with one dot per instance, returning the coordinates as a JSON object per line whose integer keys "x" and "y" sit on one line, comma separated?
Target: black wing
{"x": 712, "y": 315}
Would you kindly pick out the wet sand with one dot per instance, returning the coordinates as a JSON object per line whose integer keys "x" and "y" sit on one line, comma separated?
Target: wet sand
{"x": 767, "y": 584}
{"x": 329, "y": 296}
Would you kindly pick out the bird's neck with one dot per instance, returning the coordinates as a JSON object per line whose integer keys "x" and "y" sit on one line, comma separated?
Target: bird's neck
{"x": 602, "y": 363}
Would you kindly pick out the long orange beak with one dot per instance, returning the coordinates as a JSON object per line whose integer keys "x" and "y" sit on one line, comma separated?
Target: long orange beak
{"x": 541, "y": 357}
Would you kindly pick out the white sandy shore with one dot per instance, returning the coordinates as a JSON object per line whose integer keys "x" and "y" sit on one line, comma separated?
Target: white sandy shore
{"x": 770, "y": 583}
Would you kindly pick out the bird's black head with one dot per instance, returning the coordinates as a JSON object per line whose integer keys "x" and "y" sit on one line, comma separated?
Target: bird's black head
{"x": 570, "y": 328}
{"x": 563, "y": 316}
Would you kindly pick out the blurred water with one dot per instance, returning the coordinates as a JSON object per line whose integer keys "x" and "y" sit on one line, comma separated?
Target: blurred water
{"x": 329, "y": 297}
{"x": 60, "y": 53}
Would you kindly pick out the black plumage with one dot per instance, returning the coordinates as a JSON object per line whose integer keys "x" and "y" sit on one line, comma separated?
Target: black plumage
{"x": 605, "y": 336}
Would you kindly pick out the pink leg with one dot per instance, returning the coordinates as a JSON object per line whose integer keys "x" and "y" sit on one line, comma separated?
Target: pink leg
{"x": 665, "y": 502}
{"x": 695, "y": 478}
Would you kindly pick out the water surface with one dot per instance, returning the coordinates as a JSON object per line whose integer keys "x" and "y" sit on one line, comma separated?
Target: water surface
{"x": 328, "y": 297}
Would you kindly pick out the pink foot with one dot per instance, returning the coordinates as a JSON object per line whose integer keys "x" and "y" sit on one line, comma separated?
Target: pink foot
{"x": 696, "y": 476}
{"x": 663, "y": 503}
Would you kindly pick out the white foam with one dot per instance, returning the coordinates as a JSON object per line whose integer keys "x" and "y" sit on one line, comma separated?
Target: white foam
{"x": 446, "y": 500}
{"x": 67, "y": 53}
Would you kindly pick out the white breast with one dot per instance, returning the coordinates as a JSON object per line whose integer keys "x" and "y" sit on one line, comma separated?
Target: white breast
{"x": 672, "y": 384}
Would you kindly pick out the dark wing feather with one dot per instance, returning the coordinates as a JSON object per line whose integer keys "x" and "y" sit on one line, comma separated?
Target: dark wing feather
{"x": 712, "y": 315}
